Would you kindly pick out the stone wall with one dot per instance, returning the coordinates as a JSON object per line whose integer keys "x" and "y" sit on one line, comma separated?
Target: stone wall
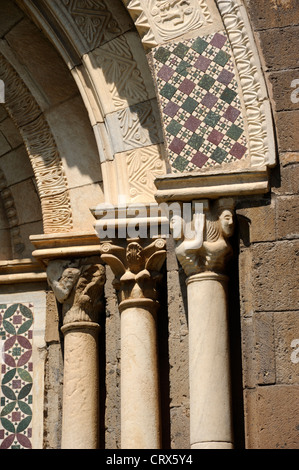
{"x": 269, "y": 247}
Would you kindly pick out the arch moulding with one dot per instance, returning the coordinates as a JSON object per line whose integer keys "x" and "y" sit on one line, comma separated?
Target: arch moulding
{"x": 41, "y": 148}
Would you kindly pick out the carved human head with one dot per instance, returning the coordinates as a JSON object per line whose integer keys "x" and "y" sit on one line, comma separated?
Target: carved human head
{"x": 177, "y": 226}
{"x": 225, "y": 208}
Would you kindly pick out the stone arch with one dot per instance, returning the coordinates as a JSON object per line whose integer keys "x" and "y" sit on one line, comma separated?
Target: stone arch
{"x": 137, "y": 141}
{"x": 44, "y": 102}
{"x": 103, "y": 51}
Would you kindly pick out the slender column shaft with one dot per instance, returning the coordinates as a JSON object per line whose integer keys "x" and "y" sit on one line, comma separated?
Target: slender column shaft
{"x": 140, "y": 407}
{"x": 81, "y": 386}
{"x": 136, "y": 267}
{"x": 210, "y": 388}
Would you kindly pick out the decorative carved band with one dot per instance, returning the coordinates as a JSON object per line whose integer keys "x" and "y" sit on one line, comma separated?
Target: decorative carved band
{"x": 93, "y": 19}
{"x": 42, "y": 151}
{"x": 260, "y": 134}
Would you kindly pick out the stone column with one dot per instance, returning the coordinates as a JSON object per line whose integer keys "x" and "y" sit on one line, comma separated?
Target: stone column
{"x": 78, "y": 286}
{"x": 204, "y": 260}
{"x": 136, "y": 268}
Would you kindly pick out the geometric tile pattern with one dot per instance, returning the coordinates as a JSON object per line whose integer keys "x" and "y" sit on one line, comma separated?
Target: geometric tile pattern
{"x": 16, "y": 322}
{"x": 201, "y": 108}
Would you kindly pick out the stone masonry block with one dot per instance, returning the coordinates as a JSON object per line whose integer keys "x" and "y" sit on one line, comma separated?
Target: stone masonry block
{"x": 264, "y": 344}
{"x": 275, "y": 276}
{"x": 287, "y": 130}
{"x": 287, "y": 216}
{"x": 285, "y": 56}
{"x": 272, "y": 14}
{"x": 284, "y": 88}
{"x": 285, "y": 179}
{"x": 261, "y": 221}
{"x": 286, "y": 329}
{"x": 278, "y": 412}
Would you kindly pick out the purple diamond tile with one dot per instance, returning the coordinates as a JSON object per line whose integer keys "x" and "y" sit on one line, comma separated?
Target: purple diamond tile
{"x": 238, "y": 150}
{"x": 192, "y": 123}
{"x": 225, "y": 77}
{"x": 171, "y": 109}
{"x": 215, "y": 137}
{"x": 209, "y": 100}
{"x": 187, "y": 86}
{"x": 177, "y": 145}
{"x": 165, "y": 73}
{"x": 202, "y": 63}
{"x": 231, "y": 114}
{"x": 218, "y": 40}
{"x": 199, "y": 159}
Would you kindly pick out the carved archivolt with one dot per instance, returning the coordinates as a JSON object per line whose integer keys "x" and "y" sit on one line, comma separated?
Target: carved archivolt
{"x": 93, "y": 19}
{"x": 42, "y": 151}
{"x": 121, "y": 73}
{"x": 251, "y": 81}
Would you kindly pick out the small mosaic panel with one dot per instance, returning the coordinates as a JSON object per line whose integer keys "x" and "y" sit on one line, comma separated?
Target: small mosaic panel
{"x": 200, "y": 103}
{"x": 16, "y": 329}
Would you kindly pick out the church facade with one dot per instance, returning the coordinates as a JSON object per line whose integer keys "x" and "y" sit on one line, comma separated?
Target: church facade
{"x": 149, "y": 159}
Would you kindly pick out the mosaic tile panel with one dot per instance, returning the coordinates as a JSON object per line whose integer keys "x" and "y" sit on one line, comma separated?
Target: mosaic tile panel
{"x": 16, "y": 329}
{"x": 200, "y": 103}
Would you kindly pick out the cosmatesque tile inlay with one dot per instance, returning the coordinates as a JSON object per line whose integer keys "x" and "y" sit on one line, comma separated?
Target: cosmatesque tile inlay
{"x": 16, "y": 329}
{"x": 201, "y": 107}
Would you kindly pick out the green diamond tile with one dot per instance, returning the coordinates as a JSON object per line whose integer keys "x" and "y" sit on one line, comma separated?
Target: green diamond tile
{"x": 196, "y": 141}
{"x": 181, "y": 50}
{"x": 180, "y": 163}
{"x": 228, "y": 95}
{"x": 189, "y": 105}
{"x": 199, "y": 45}
{"x": 206, "y": 82}
{"x": 234, "y": 132}
{"x": 212, "y": 119}
{"x": 162, "y": 55}
{"x": 219, "y": 155}
{"x": 168, "y": 91}
{"x": 222, "y": 58}
{"x": 183, "y": 68}
{"x": 174, "y": 127}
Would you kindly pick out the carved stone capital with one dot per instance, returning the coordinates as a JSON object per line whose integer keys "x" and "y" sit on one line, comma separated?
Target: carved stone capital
{"x": 78, "y": 285}
{"x": 137, "y": 269}
{"x": 209, "y": 248}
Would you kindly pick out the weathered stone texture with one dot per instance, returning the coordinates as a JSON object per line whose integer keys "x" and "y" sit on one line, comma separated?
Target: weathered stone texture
{"x": 277, "y": 417}
{"x": 273, "y": 13}
{"x": 285, "y": 56}
{"x": 287, "y": 217}
{"x": 286, "y": 332}
{"x": 275, "y": 276}
{"x": 287, "y": 129}
{"x": 264, "y": 345}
